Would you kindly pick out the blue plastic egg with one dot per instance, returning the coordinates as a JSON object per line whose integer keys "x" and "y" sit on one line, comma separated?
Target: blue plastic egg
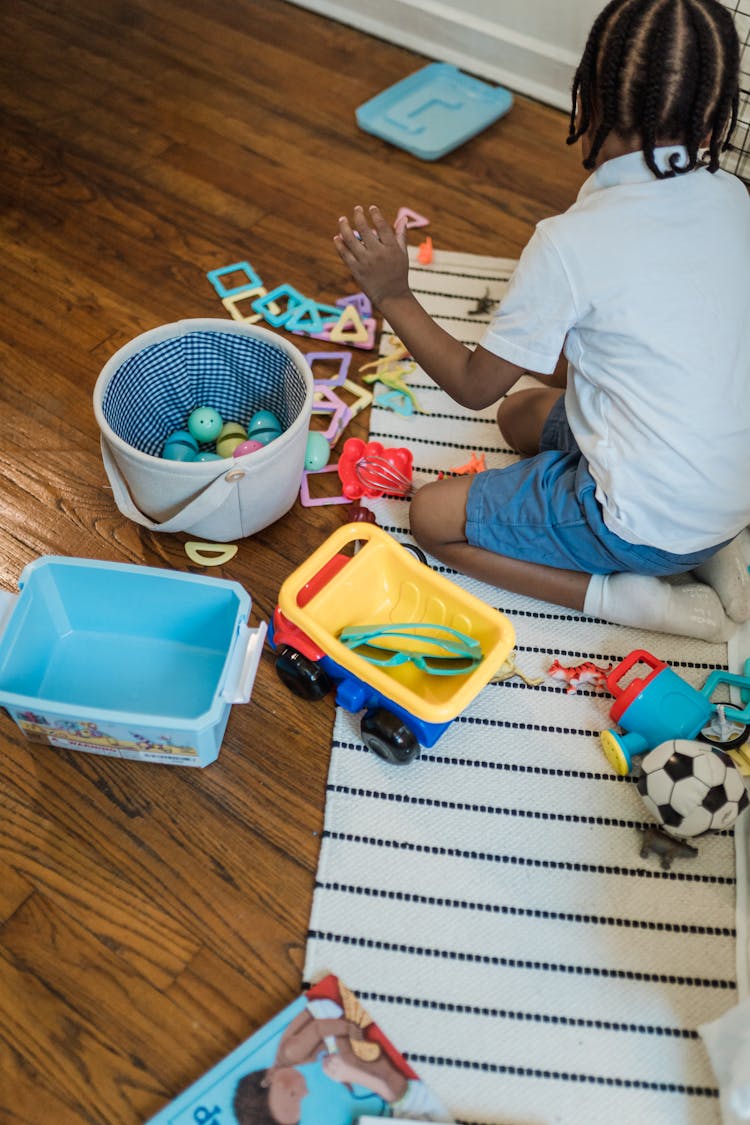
{"x": 208, "y": 456}
{"x": 180, "y": 446}
{"x": 317, "y": 451}
{"x": 205, "y": 423}
{"x": 264, "y": 426}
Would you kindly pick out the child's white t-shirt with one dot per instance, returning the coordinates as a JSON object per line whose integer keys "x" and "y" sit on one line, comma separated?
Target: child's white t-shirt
{"x": 645, "y": 285}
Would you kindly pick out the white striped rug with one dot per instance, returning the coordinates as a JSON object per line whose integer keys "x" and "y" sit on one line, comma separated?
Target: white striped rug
{"x": 488, "y": 902}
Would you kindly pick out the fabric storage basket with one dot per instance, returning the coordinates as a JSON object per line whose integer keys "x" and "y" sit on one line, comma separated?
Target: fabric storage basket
{"x": 147, "y": 390}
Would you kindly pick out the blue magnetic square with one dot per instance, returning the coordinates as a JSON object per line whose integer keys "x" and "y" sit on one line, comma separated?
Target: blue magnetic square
{"x": 215, "y": 276}
{"x": 329, "y": 312}
{"x": 304, "y": 318}
{"x": 293, "y": 297}
{"x": 433, "y": 111}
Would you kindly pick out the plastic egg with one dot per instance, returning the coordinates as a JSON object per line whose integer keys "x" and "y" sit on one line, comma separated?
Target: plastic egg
{"x": 264, "y": 426}
{"x": 232, "y": 433}
{"x": 248, "y": 446}
{"x": 317, "y": 451}
{"x": 208, "y": 456}
{"x": 180, "y": 446}
{"x": 205, "y": 423}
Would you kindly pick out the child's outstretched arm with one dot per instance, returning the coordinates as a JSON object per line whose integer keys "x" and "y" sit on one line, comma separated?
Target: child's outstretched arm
{"x": 379, "y": 263}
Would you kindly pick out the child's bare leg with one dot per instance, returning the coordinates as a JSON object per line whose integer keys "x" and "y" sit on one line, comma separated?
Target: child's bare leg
{"x": 522, "y": 414}
{"x": 438, "y": 523}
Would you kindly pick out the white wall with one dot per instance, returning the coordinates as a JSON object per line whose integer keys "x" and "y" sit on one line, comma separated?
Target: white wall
{"x": 530, "y": 46}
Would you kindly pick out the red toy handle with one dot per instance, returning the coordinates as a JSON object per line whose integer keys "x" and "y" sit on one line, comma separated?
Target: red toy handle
{"x": 637, "y": 656}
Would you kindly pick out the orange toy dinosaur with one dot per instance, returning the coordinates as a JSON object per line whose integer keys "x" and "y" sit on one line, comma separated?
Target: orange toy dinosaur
{"x": 575, "y": 677}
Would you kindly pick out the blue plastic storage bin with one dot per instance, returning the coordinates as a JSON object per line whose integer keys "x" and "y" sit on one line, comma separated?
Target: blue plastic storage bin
{"x": 125, "y": 660}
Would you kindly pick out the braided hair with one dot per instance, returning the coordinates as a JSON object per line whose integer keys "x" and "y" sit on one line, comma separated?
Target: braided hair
{"x": 663, "y": 71}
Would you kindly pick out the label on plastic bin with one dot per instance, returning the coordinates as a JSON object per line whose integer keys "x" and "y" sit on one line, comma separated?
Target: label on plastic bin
{"x": 92, "y": 738}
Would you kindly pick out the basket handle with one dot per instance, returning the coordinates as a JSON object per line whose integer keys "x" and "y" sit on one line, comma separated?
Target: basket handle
{"x": 212, "y": 496}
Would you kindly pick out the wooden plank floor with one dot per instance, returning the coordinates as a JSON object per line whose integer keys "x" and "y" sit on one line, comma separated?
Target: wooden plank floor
{"x": 152, "y": 917}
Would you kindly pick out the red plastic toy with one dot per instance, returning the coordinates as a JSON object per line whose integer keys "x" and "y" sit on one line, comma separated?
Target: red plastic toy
{"x": 390, "y": 475}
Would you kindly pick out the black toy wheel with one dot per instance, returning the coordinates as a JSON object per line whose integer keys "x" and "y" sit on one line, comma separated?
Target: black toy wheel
{"x": 387, "y": 736}
{"x": 417, "y": 551}
{"x": 302, "y": 676}
{"x": 734, "y": 734}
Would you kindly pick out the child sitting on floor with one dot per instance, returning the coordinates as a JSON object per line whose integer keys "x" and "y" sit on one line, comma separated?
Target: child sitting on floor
{"x": 637, "y": 298}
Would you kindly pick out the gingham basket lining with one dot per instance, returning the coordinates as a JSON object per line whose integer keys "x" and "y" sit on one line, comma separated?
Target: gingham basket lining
{"x": 154, "y": 391}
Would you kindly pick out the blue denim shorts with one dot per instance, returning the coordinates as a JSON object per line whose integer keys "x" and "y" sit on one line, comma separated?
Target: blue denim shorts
{"x": 543, "y": 510}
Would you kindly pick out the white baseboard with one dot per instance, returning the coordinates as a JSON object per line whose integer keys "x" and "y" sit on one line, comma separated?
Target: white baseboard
{"x": 523, "y": 63}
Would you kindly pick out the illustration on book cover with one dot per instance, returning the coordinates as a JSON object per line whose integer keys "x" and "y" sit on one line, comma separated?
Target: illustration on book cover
{"x": 321, "y": 1061}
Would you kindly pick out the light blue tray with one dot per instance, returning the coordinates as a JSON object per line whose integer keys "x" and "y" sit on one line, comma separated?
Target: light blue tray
{"x": 433, "y": 111}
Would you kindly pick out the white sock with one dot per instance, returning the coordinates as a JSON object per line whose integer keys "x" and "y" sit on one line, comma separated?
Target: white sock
{"x": 690, "y": 610}
{"x": 726, "y": 572}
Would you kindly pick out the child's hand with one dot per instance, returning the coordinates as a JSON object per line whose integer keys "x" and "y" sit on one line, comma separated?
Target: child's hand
{"x": 378, "y": 259}
{"x": 381, "y": 1076}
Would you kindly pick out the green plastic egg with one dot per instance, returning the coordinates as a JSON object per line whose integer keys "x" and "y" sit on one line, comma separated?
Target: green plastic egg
{"x": 205, "y": 424}
{"x": 317, "y": 451}
{"x": 231, "y": 435}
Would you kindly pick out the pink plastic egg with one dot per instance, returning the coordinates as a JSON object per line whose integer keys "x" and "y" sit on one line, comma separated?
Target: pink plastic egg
{"x": 247, "y": 447}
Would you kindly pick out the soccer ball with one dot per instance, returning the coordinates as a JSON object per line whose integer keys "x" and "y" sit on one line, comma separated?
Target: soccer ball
{"x": 691, "y": 788}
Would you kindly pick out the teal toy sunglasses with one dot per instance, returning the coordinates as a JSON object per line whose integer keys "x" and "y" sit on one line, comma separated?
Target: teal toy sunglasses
{"x": 436, "y": 649}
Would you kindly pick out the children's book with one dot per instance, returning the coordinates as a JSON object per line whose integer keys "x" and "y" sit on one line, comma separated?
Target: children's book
{"x": 321, "y": 1061}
